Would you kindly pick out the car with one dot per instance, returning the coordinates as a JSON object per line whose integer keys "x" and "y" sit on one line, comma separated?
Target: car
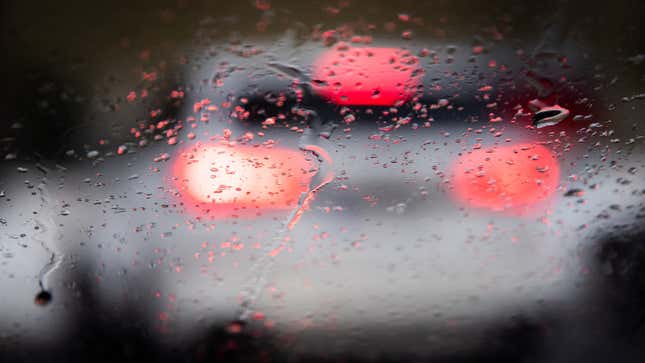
{"x": 342, "y": 193}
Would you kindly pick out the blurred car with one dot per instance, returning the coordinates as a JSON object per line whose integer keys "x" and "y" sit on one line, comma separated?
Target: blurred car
{"x": 332, "y": 193}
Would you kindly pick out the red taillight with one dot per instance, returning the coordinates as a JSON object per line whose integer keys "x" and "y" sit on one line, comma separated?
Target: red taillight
{"x": 229, "y": 179}
{"x": 506, "y": 178}
{"x": 366, "y": 76}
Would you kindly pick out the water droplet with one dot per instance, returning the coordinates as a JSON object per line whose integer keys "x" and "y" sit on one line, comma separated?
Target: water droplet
{"x": 575, "y": 192}
{"x": 549, "y": 116}
{"x": 43, "y": 298}
{"x": 235, "y": 327}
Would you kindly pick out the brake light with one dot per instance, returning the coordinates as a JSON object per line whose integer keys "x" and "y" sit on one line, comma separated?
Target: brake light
{"x": 506, "y": 178}
{"x": 231, "y": 179}
{"x": 366, "y": 76}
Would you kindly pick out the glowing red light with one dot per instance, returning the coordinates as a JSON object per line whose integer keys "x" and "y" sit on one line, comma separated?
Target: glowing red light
{"x": 226, "y": 180}
{"x": 366, "y": 76}
{"x": 508, "y": 178}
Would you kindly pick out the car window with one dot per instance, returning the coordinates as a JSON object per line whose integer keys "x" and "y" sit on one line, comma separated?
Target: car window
{"x": 322, "y": 181}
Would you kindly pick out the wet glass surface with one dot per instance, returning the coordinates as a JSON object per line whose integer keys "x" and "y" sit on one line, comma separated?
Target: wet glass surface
{"x": 322, "y": 181}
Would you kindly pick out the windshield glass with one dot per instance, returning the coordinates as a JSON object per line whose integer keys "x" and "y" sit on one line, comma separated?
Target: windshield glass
{"x": 322, "y": 181}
